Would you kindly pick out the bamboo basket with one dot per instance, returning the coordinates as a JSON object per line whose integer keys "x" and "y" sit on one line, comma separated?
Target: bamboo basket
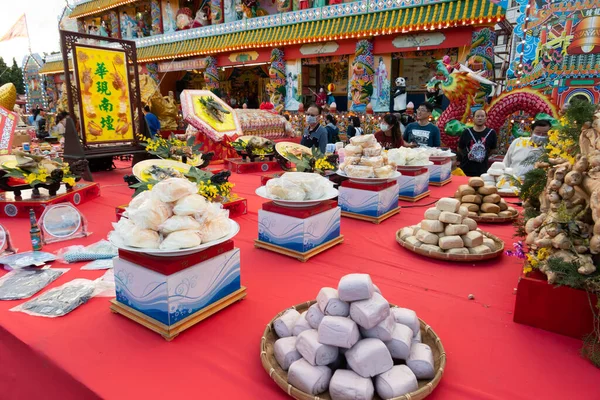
{"x": 455, "y": 257}
{"x": 269, "y": 363}
{"x": 494, "y": 220}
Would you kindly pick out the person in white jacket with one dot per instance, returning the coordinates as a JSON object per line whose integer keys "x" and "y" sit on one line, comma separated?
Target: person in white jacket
{"x": 522, "y": 148}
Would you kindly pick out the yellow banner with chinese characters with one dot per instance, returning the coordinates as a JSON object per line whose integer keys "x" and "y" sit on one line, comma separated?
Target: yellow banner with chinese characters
{"x": 104, "y": 88}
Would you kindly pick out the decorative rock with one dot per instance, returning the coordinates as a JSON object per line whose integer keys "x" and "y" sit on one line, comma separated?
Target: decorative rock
{"x": 338, "y": 331}
{"x": 427, "y": 237}
{"x": 353, "y": 287}
{"x": 369, "y": 357}
{"x": 314, "y": 352}
{"x": 432, "y": 213}
{"x": 309, "y": 378}
{"x": 314, "y": 315}
{"x": 481, "y": 249}
{"x": 492, "y": 198}
{"x": 459, "y": 250}
{"x": 489, "y": 243}
{"x": 368, "y": 313}
{"x": 399, "y": 345}
{"x": 476, "y": 182}
{"x": 471, "y": 207}
{"x": 285, "y": 352}
{"x": 472, "y": 239}
{"x": 490, "y": 208}
{"x": 420, "y": 361}
{"x": 284, "y": 325}
{"x": 471, "y": 223}
{"x": 430, "y": 247}
{"x": 456, "y": 230}
{"x": 408, "y": 317}
{"x": 396, "y": 382}
{"x": 413, "y": 241}
{"x": 451, "y": 242}
{"x": 432, "y": 226}
{"x": 330, "y": 304}
{"x": 383, "y": 330}
{"x": 348, "y": 385}
{"x": 406, "y": 232}
{"x": 451, "y": 218}
{"x": 464, "y": 190}
{"x": 448, "y": 204}
{"x": 301, "y": 324}
{"x": 488, "y": 189}
{"x": 472, "y": 198}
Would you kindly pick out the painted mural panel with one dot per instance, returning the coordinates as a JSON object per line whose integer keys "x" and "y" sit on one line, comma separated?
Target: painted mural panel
{"x": 559, "y": 51}
{"x": 293, "y": 76}
{"x": 381, "y": 84}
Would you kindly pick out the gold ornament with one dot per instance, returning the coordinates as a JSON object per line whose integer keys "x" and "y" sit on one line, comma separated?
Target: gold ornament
{"x": 8, "y": 96}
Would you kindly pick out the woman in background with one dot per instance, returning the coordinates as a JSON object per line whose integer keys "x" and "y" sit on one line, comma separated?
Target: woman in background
{"x": 389, "y": 135}
{"x": 333, "y": 132}
{"x": 354, "y": 128}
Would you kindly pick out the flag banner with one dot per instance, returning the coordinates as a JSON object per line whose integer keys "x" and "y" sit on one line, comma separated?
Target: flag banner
{"x": 19, "y": 29}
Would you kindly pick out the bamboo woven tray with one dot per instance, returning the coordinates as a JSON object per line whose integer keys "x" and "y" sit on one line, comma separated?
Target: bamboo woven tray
{"x": 495, "y": 220}
{"x": 455, "y": 257}
{"x": 269, "y": 363}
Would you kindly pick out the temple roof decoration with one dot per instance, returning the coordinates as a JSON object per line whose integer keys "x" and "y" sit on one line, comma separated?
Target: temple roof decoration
{"x": 83, "y": 9}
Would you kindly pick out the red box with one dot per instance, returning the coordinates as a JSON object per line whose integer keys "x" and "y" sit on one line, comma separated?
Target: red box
{"x": 236, "y": 207}
{"x": 371, "y": 188}
{"x": 558, "y": 309}
{"x": 266, "y": 178}
{"x": 301, "y": 213}
{"x": 412, "y": 172}
{"x": 171, "y": 265}
{"x": 243, "y": 167}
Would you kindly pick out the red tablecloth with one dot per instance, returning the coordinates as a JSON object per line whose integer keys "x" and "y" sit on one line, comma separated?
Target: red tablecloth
{"x": 92, "y": 353}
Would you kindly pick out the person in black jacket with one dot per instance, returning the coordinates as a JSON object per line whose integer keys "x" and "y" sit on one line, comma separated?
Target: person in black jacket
{"x": 354, "y": 128}
{"x": 333, "y": 132}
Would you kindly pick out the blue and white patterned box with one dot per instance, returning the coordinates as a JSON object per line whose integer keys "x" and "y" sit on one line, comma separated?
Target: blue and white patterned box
{"x": 298, "y": 234}
{"x": 171, "y": 298}
{"x": 367, "y": 202}
{"x": 413, "y": 186}
{"x": 439, "y": 172}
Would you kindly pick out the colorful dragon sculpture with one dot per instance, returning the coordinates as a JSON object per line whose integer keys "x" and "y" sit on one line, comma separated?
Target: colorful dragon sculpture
{"x": 460, "y": 85}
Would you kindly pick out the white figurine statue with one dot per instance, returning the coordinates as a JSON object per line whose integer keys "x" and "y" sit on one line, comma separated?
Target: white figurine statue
{"x": 400, "y": 95}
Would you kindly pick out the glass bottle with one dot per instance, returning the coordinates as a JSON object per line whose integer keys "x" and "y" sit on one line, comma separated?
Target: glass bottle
{"x": 34, "y": 232}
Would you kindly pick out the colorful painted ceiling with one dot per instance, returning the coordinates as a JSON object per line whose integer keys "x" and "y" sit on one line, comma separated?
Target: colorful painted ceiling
{"x": 96, "y": 6}
{"x": 53, "y": 67}
{"x": 423, "y": 18}
{"x": 558, "y": 40}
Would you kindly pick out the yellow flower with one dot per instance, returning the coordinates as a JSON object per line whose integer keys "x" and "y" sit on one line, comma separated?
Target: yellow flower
{"x": 30, "y": 178}
{"x": 150, "y": 186}
{"x": 527, "y": 270}
{"x": 542, "y": 254}
{"x": 69, "y": 181}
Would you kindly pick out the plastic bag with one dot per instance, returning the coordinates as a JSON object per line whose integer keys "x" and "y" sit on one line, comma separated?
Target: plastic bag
{"x": 105, "y": 285}
{"x": 97, "y": 251}
{"x": 215, "y": 229}
{"x": 279, "y": 188}
{"x": 150, "y": 214}
{"x": 314, "y": 185}
{"x": 181, "y": 240}
{"x": 106, "y": 263}
{"x": 127, "y": 233}
{"x": 26, "y": 259}
{"x": 179, "y": 223}
{"x": 173, "y": 189}
{"x": 60, "y": 300}
{"x": 190, "y": 205}
{"x": 24, "y": 283}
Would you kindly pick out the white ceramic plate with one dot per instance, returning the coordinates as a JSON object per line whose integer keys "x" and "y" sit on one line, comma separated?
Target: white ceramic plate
{"x": 139, "y": 169}
{"x": 330, "y": 193}
{"x": 234, "y": 229}
{"x": 370, "y": 181}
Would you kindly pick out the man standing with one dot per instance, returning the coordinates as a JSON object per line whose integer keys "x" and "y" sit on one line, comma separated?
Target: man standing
{"x": 422, "y": 133}
{"x": 519, "y": 155}
{"x": 40, "y": 124}
{"x": 475, "y": 145}
{"x": 152, "y": 121}
{"x": 315, "y": 135}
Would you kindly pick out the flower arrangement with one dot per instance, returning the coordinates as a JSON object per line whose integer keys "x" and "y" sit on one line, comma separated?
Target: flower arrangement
{"x": 214, "y": 187}
{"x": 41, "y": 171}
{"x": 316, "y": 162}
{"x": 172, "y": 148}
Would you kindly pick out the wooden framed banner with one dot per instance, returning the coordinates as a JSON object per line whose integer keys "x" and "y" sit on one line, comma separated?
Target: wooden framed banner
{"x": 104, "y": 91}
{"x": 105, "y": 102}
{"x": 8, "y": 122}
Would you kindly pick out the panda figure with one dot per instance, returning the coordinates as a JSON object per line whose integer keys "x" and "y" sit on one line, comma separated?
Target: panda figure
{"x": 399, "y": 93}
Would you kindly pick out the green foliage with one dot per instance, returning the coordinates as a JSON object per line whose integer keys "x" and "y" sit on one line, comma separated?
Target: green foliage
{"x": 533, "y": 185}
{"x": 578, "y": 113}
{"x": 12, "y": 74}
{"x": 567, "y": 275}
